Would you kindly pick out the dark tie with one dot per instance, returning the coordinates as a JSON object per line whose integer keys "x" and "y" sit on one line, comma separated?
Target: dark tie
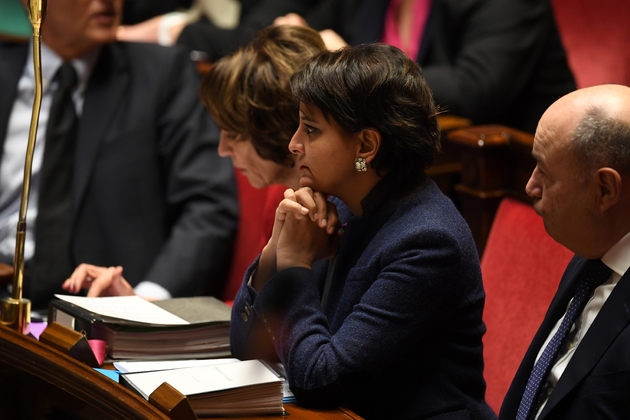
{"x": 593, "y": 274}
{"x": 52, "y": 262}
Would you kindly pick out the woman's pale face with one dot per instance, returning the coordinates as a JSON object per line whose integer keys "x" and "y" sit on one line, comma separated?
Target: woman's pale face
{"x": 259, "y": 172}
{"x": 324, "y": 152}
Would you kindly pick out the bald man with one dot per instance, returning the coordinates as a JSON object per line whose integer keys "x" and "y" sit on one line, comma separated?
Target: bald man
{"x": 581, "y": 189}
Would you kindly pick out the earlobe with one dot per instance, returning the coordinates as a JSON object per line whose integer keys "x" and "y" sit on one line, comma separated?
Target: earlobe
{"x": 370, "y": 144}
{"x": 609, "y": 187}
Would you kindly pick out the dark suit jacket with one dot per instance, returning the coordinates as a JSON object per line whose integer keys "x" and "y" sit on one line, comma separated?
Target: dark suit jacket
{"x": 400, "y": 335}
{"x": 150, "y": 192}
{"x": 596, "y": 382}
{"x": 255, "y": 15}
{"x": 493, "y": 61}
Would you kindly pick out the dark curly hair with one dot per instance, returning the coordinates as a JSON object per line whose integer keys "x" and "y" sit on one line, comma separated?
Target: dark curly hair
{"x": 249, "y": 91}
{"x": 376, "y": 86}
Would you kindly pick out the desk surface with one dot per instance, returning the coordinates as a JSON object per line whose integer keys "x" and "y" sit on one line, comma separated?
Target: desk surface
{"x": 295, "y": 412}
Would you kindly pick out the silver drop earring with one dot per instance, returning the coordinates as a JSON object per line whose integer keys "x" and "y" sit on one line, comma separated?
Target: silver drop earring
{"x": 360, "y": 164}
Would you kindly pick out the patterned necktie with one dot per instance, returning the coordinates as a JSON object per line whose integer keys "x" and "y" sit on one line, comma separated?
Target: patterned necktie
{"x": 52, "y": 261}
{"x": 593, "y": 274}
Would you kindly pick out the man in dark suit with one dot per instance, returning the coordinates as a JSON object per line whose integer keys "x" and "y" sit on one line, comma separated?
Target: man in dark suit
{"x": 492, "y": 61}
{"x": 581, "y": 188}
{"x": 204, "y": 35}
{"x": 149, "y": 192}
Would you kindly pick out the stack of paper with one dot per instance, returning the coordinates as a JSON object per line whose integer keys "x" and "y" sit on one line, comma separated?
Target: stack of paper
{"x": 237, "y": 388}
{"x": 133, "y": 328}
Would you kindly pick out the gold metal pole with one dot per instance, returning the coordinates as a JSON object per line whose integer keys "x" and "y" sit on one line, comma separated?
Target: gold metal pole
{"x": 15, "y": 311}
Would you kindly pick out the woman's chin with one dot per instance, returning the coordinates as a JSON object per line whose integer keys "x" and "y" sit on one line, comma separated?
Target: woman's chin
{"x": 307, "y": 182}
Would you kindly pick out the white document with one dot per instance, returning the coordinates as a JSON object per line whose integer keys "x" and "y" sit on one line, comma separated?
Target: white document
{"x": 150, "y": 366}
{"x": 131, "y": 308}
{"x": 204, "y": 379}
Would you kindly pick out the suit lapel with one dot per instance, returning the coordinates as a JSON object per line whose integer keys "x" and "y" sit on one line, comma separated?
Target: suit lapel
{"x": 12, "y": 60}
{"x": 610, "y": 321}
{"x": 105, "y": 91}
{"x": 556, "y": 310}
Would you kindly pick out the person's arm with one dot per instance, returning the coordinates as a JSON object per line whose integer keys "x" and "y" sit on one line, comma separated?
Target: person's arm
{"x": 162, "y": 204}
{"x": 255, "y": 15}
{"x": 136, "y": 11}
{"x": 493, "y": 52}
{"x": 199, "y": 190}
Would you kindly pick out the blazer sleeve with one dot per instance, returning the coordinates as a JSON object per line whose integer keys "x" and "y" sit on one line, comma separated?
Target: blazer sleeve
{"x": 200, "y": 190}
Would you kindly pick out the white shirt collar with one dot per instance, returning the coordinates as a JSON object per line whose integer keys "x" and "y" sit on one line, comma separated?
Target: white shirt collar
{"x": 51, "y": 61}
{"x": 617, "y": 258}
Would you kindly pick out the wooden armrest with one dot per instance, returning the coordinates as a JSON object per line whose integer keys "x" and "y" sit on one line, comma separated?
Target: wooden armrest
{"x": 449, "y": 122}
{"x": 6, "y": 274}
{"x": 496, "y": 162}
{"x": 494, "y": 157}
{"x": 172, "y": 403}
{"x": 490, "y": 136}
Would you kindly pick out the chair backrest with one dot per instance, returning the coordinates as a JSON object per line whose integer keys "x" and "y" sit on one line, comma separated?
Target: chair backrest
{"x": 596, "y": 37}
{"x": 521, "y": 267}
{"x": 257, "y": 209}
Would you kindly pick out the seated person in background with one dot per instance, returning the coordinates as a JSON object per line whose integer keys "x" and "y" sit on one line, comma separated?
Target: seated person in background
{"x": 249, "y": 94}
{"x": 136, "y": 11}
{"x": 492, "y": 61}
{"x": 213, "y": 27}
{"x": 581, "y": 188}
{"x": 142, "y": 186}
{"x": 383, "y": 316}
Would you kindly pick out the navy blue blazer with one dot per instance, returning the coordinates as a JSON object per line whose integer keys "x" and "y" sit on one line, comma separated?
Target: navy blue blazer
{"x": 400, "y": 334}
{"x": 150, "y": 192}
{"x": 493, "y": 61}
{"x": 596, "y": 382}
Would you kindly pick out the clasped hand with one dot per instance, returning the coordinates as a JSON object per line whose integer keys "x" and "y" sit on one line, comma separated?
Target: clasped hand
{"x": 306, "y": 230}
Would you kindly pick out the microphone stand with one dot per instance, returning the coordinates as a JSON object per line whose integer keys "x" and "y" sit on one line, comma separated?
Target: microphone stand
{"x": 15, "y": 312}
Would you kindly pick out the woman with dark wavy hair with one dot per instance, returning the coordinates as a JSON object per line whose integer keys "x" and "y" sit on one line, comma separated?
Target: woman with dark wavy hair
{"x": 369, "y": 290}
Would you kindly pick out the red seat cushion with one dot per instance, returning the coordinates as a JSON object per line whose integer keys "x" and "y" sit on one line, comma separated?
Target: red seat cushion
{"x": 521, "y": 267}
{"x": 596, "y": 35}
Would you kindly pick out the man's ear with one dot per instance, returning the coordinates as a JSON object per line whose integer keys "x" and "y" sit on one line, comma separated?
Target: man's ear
{"x": 608, "y": 188}
{"x": 370, "y": 144}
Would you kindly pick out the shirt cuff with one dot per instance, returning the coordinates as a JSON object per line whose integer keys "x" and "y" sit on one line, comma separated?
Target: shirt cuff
{"x": 169, "y": 20}
{"x": 151, "y": 290}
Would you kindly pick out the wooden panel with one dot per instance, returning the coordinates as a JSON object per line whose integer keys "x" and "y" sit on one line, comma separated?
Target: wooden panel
{"x": 42, "y": 381}
{"x": 496, "y": 162}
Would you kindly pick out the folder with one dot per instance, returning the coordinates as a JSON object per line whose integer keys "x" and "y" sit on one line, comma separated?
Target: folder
{"x": 242, "y": 388}
{"x": 203, "y": 331}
